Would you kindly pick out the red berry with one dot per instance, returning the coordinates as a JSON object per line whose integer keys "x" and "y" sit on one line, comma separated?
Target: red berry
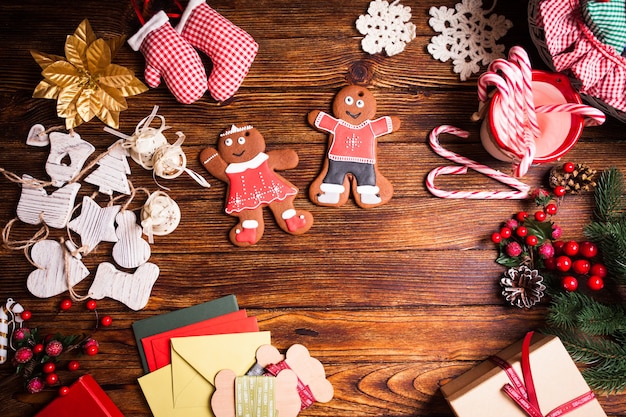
{"x": 521, "y": 216}
{"x": 91, "y": 305}
{"x": 558, "y": 246}
{"x": 521, "y": 231}
{"x": 559, "y": 191}
{"x": 73, "y": 365}
{"x": 540, "y": 216}
{"x": 64, "y": 390}
{"x": 563, "y": 263}
{"x": 550, "y": 263}
{"x": 91, "y": 350}
{"x": 26, "y": 315}
{"x": 49, "y": 367}
{"x": 571, "y": 248}
{"x": 569, "y": 283}
{"x": 505, "y": 232}
{"x": 599, "y": 270}
{"x": 581, "y": 266}
{"x": 52, "y": 379}
{"x": 496, "y": 237}
{"x": 595, "y": 283}
{"x": 588, "y": 249}
{"x": 65, "y": 304}
{"x": 531, "y": 240}
{"x": 38, "y": 348}
{"x": 106, "y": 321}
{"x": 569, "y": 167}
{"x": 551, "y": 209}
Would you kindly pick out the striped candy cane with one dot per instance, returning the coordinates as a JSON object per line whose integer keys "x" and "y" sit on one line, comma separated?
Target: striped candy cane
{"x": 9, "y": 316}
{"x": 465, "y": 163}
{"x": 593, "y": 116}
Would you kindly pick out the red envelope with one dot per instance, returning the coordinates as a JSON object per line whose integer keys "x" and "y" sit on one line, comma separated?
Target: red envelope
{"x": 157, "y": 347}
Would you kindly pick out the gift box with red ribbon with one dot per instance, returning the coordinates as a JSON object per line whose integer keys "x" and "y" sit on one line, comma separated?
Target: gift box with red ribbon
{"x": 535, "y": 377}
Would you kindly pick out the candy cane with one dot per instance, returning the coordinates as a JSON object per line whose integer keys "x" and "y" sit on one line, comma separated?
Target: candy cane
{"x": 593, "y": 116}
{"x": 9, "y": 314}
{"x": 490, "y": 78}
{"x": 518, "y": 55}
{"x": 522, "y": 189}
{"x": 512, "y": 76}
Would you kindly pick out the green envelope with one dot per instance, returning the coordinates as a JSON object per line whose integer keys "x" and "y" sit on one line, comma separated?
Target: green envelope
{"x": 175, "y": 319}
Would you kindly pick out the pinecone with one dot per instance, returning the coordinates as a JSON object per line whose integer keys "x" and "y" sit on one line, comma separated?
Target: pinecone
{"x": 522, "y": 287}
{"x": 577, "y": 181}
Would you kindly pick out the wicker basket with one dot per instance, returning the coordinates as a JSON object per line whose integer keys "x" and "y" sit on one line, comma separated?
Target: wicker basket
{"x": 538, "y": 38}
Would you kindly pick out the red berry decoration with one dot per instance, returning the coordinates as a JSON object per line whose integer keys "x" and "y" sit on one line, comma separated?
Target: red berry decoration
{"x": 563, "y": 263}
{"x": 550, "y": 263}
{"x": 73, "y": 365}
{"x": 64, "y": 390}
{"x": 532, "y": 240}
{"x": 65, "y": 304}
{"x": 581, "y": 266}
{"x": 588, "y": 249}
{"x": 49, "y": 367}
{"x": 595, "y": 283}
{"x": 598, "y": 270}
{"x": 540, "y": 216}
{"x": 558, "y": 246}
{"x": 26, "y": 315}
{"x": 521, "y": 216}
{"x": 569, "y": 283}
{"x": 569, "y": 167}
{"x": 505, "y": 233}
{"x": 521, "y": 231}
{"x": 559, "y": 191}
{"x": 38, "y": 348}
{"x": 52, "y": 379}
{"x": 91, "y": 305}
{"x": 496, "y": 237}
{"x": 91, "y": 347}
{"x": 551, "y": 209}
{"x": 571, "y": 248}
{"x": 106, "y": 321}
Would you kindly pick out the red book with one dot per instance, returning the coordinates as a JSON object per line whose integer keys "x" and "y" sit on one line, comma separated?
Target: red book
{"x": 85, "y": 399}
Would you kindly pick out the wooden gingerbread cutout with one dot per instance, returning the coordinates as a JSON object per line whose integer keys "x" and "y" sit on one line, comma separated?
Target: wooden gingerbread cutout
{"x": 64, "y": 145}
{"x": 313, "y": 385}
{"x": 240, "y": 161}
{"x": 37, "y": 136}
{"x": 352, "y": 157}
{"x": 112, "y": 171}
{"x": 228, "y": 399}
{"x": 51, "y": 278}
{"x": 265, "y": 355}
{"x": 35, "y": 205}
{"x": 130, "y": 289}
{"x": 95, "y": 224}
{"x": 131, "y": 250}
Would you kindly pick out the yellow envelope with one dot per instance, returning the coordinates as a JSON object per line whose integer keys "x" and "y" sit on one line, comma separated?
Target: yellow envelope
{"x": 157, "y": 388}
{"x": 197, "y": 359}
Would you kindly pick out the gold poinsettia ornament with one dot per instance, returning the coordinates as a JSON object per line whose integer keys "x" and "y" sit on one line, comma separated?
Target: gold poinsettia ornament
{"x": 85, "y": 83}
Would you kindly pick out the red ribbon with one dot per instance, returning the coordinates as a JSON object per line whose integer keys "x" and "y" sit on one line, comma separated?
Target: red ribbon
{"x": 140, "y": 13}
{"x": 306, "y": 395}
{"x": 523, "y": 392}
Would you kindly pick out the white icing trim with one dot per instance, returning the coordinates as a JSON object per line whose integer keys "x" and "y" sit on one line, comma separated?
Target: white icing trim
{"x": 288, "y": 214}
{"x": 332, "y": 188}
{"x": 242, "y": 166}
{"x": 249, "y": 224}
{"x": 187, "y": 14}
{"x": 154, "y": 23}
{"x": 367, "y": 189}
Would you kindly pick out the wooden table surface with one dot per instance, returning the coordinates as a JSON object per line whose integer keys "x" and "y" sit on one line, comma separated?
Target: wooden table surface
{"x": 394, "y": 301}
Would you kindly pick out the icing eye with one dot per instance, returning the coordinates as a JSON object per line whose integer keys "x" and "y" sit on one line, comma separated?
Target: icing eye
{"x": 228, "y": 142}
{"x": 349, "y": 101}
{"x": 360, "y": 104}
{"x": 241, "y": 140}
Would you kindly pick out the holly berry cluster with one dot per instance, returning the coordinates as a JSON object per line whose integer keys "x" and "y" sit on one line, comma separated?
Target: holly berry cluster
{"x": 575, "y": 261}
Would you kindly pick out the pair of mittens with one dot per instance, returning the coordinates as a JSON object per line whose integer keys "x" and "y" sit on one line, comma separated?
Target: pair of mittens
{"x": 170, "y": 53}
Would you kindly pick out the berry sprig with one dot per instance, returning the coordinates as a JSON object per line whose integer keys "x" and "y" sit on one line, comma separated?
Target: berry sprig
{"x": 576, "y": 261}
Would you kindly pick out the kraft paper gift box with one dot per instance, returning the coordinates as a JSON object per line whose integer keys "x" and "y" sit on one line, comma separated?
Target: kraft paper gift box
{"x": 557, "y": 381}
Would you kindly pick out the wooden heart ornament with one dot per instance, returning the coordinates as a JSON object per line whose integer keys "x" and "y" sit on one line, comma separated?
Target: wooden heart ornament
{"x": 37, "y": 136}
{"x": 50, "y": 278}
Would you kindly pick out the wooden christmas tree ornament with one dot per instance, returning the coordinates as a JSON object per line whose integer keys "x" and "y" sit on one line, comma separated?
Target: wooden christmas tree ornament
{"x": 112, "y": 171}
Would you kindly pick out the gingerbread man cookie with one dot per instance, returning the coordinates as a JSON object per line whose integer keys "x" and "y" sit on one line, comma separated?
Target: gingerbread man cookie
{"x": 352, "y": 160}
{"x": 241, "y": 162}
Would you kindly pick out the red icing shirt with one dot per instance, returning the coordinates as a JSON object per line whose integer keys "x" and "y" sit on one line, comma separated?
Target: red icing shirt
{"x": 253, "y": 183}
{"x": 353, "y": 143}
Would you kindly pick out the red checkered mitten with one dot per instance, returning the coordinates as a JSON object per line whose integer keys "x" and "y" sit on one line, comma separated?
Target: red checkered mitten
{"x": 230, "y": 48}
{"x": 170, "y": 56}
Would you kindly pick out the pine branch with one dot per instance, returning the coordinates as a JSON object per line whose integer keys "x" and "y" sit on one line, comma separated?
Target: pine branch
{"x": 608, "y": 382}
{"x": 609, "y": 196}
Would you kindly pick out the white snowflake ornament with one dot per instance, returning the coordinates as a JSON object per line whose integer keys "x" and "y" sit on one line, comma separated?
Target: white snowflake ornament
{"x": 386, "y": 26}
{"x": 468, "y": 36}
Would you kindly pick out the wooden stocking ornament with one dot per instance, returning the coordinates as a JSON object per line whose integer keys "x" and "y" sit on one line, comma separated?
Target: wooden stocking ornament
{"x": 130, "y": 289}
{"x": 36, "y": 205}
{"x": 64, "y": 145}
{"x": 51, "y": 278}
{"x": 131, "y": 250}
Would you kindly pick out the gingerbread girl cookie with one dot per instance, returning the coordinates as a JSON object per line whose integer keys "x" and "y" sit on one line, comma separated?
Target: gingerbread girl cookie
{"x": 240, "y": 160}
{"x": 352, "y": 151}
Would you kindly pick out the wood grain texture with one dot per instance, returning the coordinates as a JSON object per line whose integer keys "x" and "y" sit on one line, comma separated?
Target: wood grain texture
{"x": 394, "y": 301}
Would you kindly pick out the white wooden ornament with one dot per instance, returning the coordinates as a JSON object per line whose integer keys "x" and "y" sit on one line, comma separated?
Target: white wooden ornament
{"x": 50, "y": 278}
{"x": 35, "y": 205}
{"x": 131, "y": 289}
{"x": 37, "y": 136}
{"x": 112, "y": 171}
{"x": 95, "y": 224}
{"x": 64, "y": 145}
{"x": 131, "y": 250}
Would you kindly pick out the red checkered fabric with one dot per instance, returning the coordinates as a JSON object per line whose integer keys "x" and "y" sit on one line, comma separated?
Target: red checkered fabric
{"x": 230, "y": 48}
{"x": 574, "y": 48}
{"x": 170, "y": 56}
